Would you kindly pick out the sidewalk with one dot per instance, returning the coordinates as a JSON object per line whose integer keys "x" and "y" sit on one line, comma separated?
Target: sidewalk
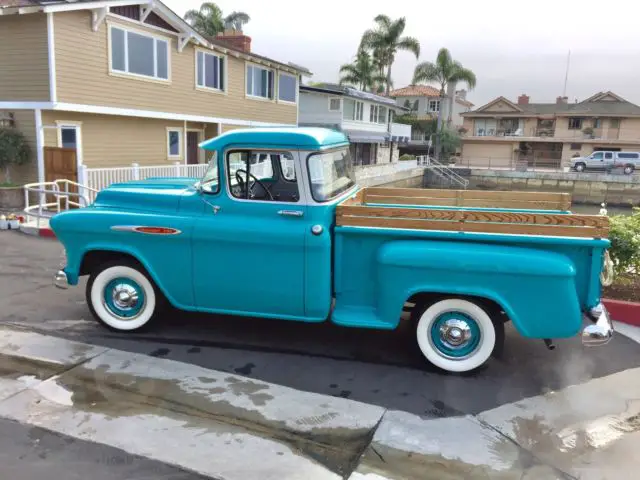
{"x": 229, "y": 427}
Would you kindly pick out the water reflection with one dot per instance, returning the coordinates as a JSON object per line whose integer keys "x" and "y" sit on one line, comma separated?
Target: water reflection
{"x": 595, "y": 209}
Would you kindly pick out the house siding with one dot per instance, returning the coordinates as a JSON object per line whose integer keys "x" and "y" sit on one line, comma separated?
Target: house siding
{"x": 82, "y": 62}
{"x": 113, "y": 141}
{"x": 25, "y": 122}
{"x": 629, "y": 129}
{"x": 24, "y": 61}
{"x": 484, "y": 154}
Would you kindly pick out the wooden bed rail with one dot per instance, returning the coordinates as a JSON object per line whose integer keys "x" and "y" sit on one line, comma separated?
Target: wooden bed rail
{"x": 355, "y": 212}
{"x": 467, "y": 198}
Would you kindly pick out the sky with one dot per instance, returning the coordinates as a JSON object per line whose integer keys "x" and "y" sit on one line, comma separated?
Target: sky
{"x": 513, "y": 47}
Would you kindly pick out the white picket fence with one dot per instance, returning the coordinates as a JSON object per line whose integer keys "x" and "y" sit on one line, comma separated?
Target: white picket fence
{"x": 100, "y": 178}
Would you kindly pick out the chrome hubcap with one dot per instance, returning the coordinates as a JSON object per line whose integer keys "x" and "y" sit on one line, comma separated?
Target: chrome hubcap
{"x": 455, "y": 332}
{"x": 125, "y": 296}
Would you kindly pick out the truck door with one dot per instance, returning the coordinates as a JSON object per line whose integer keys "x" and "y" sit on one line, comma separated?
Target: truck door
{"x": 594, "y": 161}
{"x": 608, "y": 160}
{"x": 249, "y": 246}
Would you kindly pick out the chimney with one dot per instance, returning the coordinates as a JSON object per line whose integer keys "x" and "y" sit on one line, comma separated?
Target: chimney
{"x": 235, "y": 39}
{"x": 461, "y": 94}
{"x": 562, "y": 100}
{"x": 523, "y": 99}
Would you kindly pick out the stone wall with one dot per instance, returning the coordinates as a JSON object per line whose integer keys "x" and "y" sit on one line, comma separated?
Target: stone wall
{"x": 587, "y": 188}
{"x": 383, "y": 154}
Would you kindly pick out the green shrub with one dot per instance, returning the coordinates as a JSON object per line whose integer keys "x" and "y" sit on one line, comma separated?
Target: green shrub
{"x": 625, "y": 242}
{"x": 406, "y": 156}
{"x": 14, "y": 150}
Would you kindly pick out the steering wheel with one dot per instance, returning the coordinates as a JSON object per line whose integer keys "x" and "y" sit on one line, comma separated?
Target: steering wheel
{"x": 241, "y": 182}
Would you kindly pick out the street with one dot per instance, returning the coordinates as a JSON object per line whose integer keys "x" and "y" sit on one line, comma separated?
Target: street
{"x": 383, "y": 369}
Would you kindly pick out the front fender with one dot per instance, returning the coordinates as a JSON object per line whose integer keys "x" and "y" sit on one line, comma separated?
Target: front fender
{"x": 536, "y": 288}
{"x": 167, "y": 258}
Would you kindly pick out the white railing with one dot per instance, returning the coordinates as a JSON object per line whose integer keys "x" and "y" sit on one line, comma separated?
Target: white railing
{"x": 62, "y": 193}
{"x": 443, "y": 171}
{"x": 400, "y": 130}
{"x": 97, "y": 179}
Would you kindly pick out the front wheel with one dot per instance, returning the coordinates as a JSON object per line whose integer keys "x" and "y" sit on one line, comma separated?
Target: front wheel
{"x": 628, "y": 169}
{"x": 579, "y": 167}
{"x": 121, "y": 297}
{"x": 458, "y": 335}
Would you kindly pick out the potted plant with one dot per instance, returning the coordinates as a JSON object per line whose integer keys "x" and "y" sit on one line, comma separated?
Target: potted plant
{"x": 462, "y": 131}
{"x": 588, "y": 132}
{"x": 14, "y": 150}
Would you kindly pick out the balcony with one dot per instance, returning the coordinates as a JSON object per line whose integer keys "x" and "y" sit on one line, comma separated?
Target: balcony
{"x": 400, "y": 131}
{"x": 418, "y": 137}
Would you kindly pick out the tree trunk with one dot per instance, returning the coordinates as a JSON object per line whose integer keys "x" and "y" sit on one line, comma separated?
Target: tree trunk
{"x": 388, "y": 79}
{"x": 451, "y": 94}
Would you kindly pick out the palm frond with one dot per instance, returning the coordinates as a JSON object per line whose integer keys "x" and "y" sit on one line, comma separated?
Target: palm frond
{"x": 462, "y": 74}
{"x": 409, "y": 44}
{"x": 236, "y": 20}
{"x": 383, "y": 21}
{"x": 426, "y": 72}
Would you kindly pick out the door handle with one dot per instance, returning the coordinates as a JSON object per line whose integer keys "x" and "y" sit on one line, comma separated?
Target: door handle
{"x": 291, "y": 213}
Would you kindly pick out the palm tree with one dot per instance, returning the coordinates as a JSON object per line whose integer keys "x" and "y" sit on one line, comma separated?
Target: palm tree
{"x": 447, "y": 72}
{"x": 386, "y": 40}
{"x": 209, "y": 21}
{"x": 236, "y": 20}
{"x": 362, "y": 73}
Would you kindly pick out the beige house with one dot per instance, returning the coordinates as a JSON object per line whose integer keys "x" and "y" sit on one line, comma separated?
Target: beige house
{"x": 503, "y": 133}
{"x": 126, "y": 81}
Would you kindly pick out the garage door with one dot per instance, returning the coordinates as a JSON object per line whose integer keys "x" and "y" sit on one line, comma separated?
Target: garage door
{"x": 487, "y": 154}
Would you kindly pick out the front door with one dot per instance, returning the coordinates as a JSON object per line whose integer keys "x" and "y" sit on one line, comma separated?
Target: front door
{"x": 249, "y": 246}
{"x": 192, "y": 147}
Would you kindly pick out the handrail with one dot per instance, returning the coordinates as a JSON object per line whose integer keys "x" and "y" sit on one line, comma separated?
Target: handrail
{"x": 443, "y": 170}
{"x": 54, "y": 188}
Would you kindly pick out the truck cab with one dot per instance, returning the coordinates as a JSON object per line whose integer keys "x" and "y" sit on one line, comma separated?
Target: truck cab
{"x": 277, "y": 228}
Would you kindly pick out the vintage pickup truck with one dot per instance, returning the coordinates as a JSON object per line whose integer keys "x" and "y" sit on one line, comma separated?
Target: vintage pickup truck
{"x": 277, "y": 228}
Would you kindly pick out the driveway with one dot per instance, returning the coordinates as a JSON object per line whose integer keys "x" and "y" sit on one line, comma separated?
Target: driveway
{"x": 380, "y": 368}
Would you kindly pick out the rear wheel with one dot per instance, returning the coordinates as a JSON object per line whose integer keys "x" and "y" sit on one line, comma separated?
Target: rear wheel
{"x": 458, "y": 335}
{"x": 580, "y": 167}
{"x": 122, "y": 297}
{"x": 628, "y": 169}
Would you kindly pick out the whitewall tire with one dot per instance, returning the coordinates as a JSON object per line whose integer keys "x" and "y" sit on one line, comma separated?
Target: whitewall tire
{"x": 457, "y": 335}
{"x": 121, "y": 297}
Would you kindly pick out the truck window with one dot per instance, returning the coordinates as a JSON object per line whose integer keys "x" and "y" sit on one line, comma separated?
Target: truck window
{"x": 608, "y": 155}
{"x": 596, "y": 156}
{"x": 266, "y": 176}
{"x": 330, "y": 174}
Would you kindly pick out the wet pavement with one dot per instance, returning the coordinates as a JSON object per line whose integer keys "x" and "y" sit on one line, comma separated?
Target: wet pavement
{"x": 511, "y": 420}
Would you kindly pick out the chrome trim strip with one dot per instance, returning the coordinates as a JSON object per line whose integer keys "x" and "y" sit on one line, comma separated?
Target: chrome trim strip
{"x": 134, "y": 229}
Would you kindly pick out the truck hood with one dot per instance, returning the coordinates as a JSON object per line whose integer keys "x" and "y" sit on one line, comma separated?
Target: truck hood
{"x": 152, "y": 195}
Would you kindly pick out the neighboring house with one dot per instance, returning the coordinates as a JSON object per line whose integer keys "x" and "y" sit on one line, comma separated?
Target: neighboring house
{"x": 549, "y": 134}
{"x": 364, "y": 117}
{"x": 125, "y": 81}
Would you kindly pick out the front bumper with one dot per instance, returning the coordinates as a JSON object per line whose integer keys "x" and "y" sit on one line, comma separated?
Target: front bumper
{"x": 601, "y": 332}
{"x": 60, "y": 280}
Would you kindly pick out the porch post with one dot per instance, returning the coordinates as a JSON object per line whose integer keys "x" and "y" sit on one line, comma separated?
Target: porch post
{"x": 39, "y": 145}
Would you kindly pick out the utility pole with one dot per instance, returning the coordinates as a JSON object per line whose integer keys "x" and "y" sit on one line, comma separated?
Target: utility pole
{"x": 566, "y": 75}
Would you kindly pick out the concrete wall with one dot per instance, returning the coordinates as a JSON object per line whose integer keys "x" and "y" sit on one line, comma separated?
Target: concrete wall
{"x": 389, "y": 175}
{"x": 586, "y": 188}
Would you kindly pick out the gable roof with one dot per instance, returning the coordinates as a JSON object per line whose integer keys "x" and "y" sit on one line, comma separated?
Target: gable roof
{"x": 596, "y": 105}
{"x": 415, "y": 91}
{"x": 33, "y": 6}
{"x": 463, "y": 101}
{"x": 516, "y": 108}
{"x": 343, "y": 90}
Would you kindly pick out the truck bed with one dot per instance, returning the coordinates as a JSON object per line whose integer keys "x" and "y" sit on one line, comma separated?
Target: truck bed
{"x": 473, "y": 211}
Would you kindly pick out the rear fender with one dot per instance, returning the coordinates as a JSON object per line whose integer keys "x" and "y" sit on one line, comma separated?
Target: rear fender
{"x": 535, "y": 288}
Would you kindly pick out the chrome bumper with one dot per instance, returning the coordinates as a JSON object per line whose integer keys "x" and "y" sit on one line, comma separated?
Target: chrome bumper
{"x": 601, "y": 332}
{"x": 60, "y": 280}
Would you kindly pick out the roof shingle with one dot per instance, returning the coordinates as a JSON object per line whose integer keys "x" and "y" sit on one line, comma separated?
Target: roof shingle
{"x": 415, "y": 91}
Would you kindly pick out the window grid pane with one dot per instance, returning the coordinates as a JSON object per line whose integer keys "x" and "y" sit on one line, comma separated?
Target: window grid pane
{"x": 174, "y": 143}
{"x": 141, "y": 60}
{"x": 117, "y": 50}
{"x": 161, "y": 59}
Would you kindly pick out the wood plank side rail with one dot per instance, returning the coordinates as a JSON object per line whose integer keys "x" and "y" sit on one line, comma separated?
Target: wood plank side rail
{"x": 467, "y": 198}
{"x": 354, "y": 212}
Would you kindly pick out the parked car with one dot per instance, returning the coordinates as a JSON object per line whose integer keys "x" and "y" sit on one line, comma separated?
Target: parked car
{"x": 307, "y": 244}
{"x": 607, "y": 161}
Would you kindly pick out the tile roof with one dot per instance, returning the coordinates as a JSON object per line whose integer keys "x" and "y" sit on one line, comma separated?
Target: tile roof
{"x": 415, "y": 91}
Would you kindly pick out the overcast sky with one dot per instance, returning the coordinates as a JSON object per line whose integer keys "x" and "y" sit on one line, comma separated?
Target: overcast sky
{"x": 513, "y": 47}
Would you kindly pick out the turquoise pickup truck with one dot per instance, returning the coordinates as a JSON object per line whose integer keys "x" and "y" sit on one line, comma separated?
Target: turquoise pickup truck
{"x": 277, "y": 228}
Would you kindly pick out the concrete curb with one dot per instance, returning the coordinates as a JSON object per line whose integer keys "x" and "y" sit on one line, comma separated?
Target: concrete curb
{"x": 180, "y": 413}
{"x": 37, "y": 232}
{"x": 621, "y": 311}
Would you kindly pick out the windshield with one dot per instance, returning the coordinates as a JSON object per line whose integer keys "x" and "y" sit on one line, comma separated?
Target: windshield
{"x": 330, "y": 173}
{"x": 210, "y": 181}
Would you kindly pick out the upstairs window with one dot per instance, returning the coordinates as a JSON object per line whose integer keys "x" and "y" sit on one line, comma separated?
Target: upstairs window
{"x": 259, "y": 82}
{"x": 139, "y": 54}
{"x": 373, "y": 114}
{"x": 434, "y": 105}
{"x": 575, "y": 123}
{"x": 334, "y": 104}
{"x": 382, "y": 115}
{"x": 353, "y": 110}
{"x": 210, "y": 71}
{"x": 287, "y": 88}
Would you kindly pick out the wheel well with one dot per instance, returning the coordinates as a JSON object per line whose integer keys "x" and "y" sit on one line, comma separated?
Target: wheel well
{"x": 492, "y": 307}
{"x": 95, "y": 258}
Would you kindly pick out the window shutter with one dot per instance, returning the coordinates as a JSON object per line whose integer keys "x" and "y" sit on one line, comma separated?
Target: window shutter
{"x": 221, "y": 72}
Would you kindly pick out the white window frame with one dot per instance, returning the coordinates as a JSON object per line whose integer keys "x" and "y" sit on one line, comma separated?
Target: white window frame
{"x": 373, "y": 112}
{"x": 221, "y": 58}
{"x": 246, "y": 83}
{"x": 339, "y": 104}
{"x": 295, "y": 93}
{"x": 138, "y": 76}
{"x": 60, "y": 124}
{"x": 181, "y": 145}
{"x": 437, "y": 102}
{"x": 385, "y": 116}
{"x": 356, "y": 109}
